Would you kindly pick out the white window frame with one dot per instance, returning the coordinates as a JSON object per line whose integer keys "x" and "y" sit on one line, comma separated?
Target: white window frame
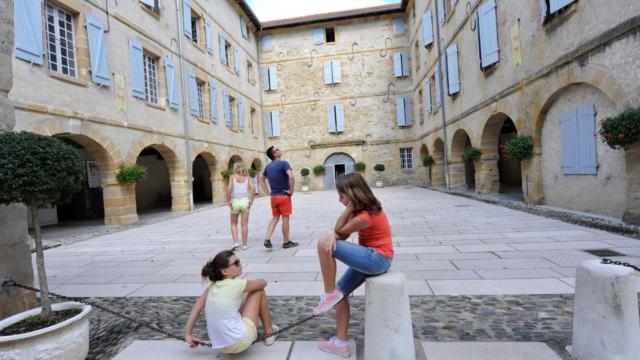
{"x": 195, "y": 31}
{"x": 406, "y": 158}
{"x": 57, "y": 44}
{"x": 233, "y": 104}
{"x": 200, "y": 85}
{"x": 150, "y": 70}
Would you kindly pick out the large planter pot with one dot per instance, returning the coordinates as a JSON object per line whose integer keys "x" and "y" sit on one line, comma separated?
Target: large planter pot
{"x": 68, "y": 340}
{"x": 379, "y": 184}
{"x": 305, "y": 188}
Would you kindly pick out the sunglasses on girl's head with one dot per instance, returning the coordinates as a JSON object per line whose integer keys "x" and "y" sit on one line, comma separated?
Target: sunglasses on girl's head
{"x": 236, "y": 263}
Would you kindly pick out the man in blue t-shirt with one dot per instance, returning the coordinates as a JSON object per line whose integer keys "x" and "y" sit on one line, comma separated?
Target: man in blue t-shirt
{"x": 281, "y": 182}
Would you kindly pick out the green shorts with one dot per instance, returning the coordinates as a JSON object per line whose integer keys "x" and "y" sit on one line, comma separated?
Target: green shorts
{"x": 239, "y": 205}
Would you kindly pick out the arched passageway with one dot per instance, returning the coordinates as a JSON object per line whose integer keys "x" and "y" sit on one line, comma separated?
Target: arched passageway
{"x": 437, "y": 173}
{"x": 498, "y": 173}
{"x": 462, "y": 173}
{"x": 153, "y": 193}
{"x": 202, "y": 181}
{"x": 424, "y": 152}
{"x": 335, "y": 165}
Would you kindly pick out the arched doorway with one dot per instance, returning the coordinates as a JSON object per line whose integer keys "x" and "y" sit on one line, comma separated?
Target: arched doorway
{"x": 424, "y": 152}
{"x": 336, "y": 165}
{"x": 462, "y": 173}
{"x": 234, "y": 159}
{"x": 437, "y": 174}
{"x": 202, "y": 188}
{"x": 256, "y": 165}
{"x": 153, "y": 193}
{"x": 498, "y": 173}
{"x": 509, "y": 173}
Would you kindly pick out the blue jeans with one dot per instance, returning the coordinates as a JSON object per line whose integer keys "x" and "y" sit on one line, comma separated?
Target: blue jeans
{"x": 362, "y": 261}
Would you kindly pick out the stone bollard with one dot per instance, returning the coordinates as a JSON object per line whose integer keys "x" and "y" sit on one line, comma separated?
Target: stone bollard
{"x": 605, "y": 318}
{"x": 388, "y": 333}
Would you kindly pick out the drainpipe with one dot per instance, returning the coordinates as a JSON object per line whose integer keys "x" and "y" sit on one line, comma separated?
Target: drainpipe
{"x": 185, "y": 113}
{"x": 442, "y": 112}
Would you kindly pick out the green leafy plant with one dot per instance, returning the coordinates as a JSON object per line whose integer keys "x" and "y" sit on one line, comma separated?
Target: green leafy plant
{"x": 226, "y": 173}
{"x": 38, "y": 171}
{"x": 428, "y": 161}
{"x": 359, "y": 166}
{"x": 519, "y": 148}
{"x": 471, "y": 154}
{"x": 318, "y": 169}
{"x": 252, "y": 173}
{"x": 304, "y": 172}
{"x": 130, "y": 174}
{"x": 378, "y": 167}
{"x": 622, "y": 130}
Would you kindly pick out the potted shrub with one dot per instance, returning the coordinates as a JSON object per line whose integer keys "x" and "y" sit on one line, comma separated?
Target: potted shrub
{"x": 252, "y": 173}
{"x": 519, "y": 148}
{"x": 359, "y": 166}
{"x": 379, "y": 168}
{"x": 621, "y": 131}
{"x": 304, "y": 172}
{"x": 471, "y": 154}
{"x": 318, "y": 170}
{"x": 226, "y": 174}
{"x": 427, "y": 162}
{"x": 42, "y": 171}
{"x": 130, "y": 174}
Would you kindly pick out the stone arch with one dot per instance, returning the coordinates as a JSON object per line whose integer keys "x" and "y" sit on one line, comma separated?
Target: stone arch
{"x": 234, "y": 159}
{"x": 424, "y": 151}
{"x": 256, "y": 164}
{"x": 437, "y": 174}
{"x": 495, "y": 173}
{"x": 460, "y": 173}
{"x": 336, "y": 164}
{"x": 204, "y": 168}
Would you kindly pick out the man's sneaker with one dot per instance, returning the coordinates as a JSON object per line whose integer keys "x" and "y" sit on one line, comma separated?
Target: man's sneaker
{"x": 289, "y": 244}
{"x": 267, "y": 244}
{"x": 332, "y": 348}
{"x": 328, "y": 301}
{"x": 270, "y": 340}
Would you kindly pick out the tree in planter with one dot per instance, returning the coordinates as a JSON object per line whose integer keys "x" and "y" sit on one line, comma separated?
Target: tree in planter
{"x": 621, "y": 131}
{"x": 318, "y": 170}
{"x": 131, "y": 174}
{"x": 359, "y": 166}
{"x": 38, "y": 171}
{"x": 379, "y": 168}
{"x": 252, "y": 173}
{"x": 428, "y": 161}
{"x": 519, "y": 148}
{"x": 471, "y": 154}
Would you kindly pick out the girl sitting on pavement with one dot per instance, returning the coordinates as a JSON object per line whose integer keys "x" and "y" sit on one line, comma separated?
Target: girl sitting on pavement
{"x": 232, "y": 307}
{"x": 371, "y": 256}
{"x": 240, "y": 193}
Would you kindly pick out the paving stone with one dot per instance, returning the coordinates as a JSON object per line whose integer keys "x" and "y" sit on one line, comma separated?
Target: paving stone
{"x": 173, "y": 349}
{"x": 503, "y": 286}
{"x": 488, "y": 351}
{"x": 502, "y": 264}
{"x": 307, "y": 350}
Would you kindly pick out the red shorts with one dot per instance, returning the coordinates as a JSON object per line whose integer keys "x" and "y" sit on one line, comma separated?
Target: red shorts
{"x": 281, "y": 205}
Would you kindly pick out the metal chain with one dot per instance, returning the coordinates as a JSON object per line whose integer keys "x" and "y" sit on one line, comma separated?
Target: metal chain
{"x": 142, "y": 322}
{"x": 616, "y": 262}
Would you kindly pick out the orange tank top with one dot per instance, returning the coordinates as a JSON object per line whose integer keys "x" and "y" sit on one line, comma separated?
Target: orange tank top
{"x": 378, "y": 234}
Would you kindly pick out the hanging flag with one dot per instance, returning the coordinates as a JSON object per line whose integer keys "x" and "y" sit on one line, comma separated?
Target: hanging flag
{"x": 121, "y": 104}
{"x": 515, "y": 42}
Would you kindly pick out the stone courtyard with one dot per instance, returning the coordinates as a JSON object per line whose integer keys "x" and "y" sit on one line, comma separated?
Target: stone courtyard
{"x": 477, "y": 275}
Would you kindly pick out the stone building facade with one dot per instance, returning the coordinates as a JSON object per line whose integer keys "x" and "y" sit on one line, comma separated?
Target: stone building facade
{"x": 383, "y": 85}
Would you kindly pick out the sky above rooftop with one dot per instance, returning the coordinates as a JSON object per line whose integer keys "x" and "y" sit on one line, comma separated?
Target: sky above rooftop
{"x": 267, "y": 10}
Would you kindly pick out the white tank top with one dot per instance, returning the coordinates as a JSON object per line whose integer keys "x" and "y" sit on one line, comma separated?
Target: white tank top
{"x": 240, "y": 189}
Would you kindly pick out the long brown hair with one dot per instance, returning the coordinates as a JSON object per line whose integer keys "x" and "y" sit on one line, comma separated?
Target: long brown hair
{"x": 354, "y": 187}
{"x": 212, "y": 270}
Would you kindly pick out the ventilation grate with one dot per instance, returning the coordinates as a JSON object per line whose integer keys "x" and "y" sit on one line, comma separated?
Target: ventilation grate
{"x": 603, "y": 252}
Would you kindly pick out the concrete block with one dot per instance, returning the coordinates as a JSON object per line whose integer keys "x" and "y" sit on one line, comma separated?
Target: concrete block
{"x": 388, "y": 332}
{"x": 605, "y": 320}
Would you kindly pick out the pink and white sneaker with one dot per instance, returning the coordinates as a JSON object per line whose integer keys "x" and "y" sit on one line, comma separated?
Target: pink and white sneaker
{"x": 331, "y": 347}
{"x": 328, "y": 301}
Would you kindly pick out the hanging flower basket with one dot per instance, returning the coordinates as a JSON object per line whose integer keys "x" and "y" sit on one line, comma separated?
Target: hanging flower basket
{"x": 621, "y": 131}
{"x": 519, "y": 148}
{"x": 471, "y": 154}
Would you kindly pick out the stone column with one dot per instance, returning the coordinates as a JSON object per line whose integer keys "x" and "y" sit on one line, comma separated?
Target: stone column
{"x": 437, "y": 175}
{"x": 632, "y": 157}
{"x": 180, "y": 200}
{"x": 487, "y": 177}
{"x": 456, "y": 173}
{"x": 532, "y": 170}
{"x": 219, "y": 189}
{"x": 119, "y": 202}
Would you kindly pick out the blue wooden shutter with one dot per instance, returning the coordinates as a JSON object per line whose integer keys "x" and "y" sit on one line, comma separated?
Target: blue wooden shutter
{"x": 241, "y": 114}
{"x": 427, "y": 95}
{"x": 339, "y": 118}
{"x": 193, "y": 93}
{"x": 438, "y": 96}
{"x": 213, "y": 98}
{"x": 273, "y": 81}
{"x": 226, "y": 108}
{"x": 555, "y": 5}
{"x": 265, "y": 81}
{"x": 543, "y": 11}
{"x": 243, "y": 28}
{"x": 170, "y": 73}
{"x": 405, "y": 64}
{"x": 328, "y": 77}
{"x": 186, "y": 18}
{"x": 318, "y": 36}
{"x": 408, "y": 111}
{"x": 488, "y": 33}
{"x": 208, "y": 34}
{"x": 331, "y": 118}
{"x": 27, "y": 16}
{"x": 269, "y": 124}
{"x": 453, "y": 77}
{"x": 266, "y": 42}
{"x": 442, "y": 15}
{"x": 453, "y": 3}
{"x": 223, "y": 54}
{"x": 275, "y": 123}
{"x": 397, "y": 64}
{"x": 100, "y": 73}
{"x": 398, "y": 25}
{"x": 137, "y": 76}
{"x": 586, "y": 120}
{"x": 400, "y": 116}
{"x": 568, "y": 133}
{"x": 427, "y": 28}
{"x": 336, "y": 71}
{"x": 236, "y": 60}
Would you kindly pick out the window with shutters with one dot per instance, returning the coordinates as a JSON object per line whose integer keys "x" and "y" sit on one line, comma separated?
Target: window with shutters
{"x": 397, "y": 26}
{"x": 416, "y": 55}
{"x": 406, "y": 158}
{"x": 578, "y": 140}
{"x": 330, "y": 35}
{"x": 228, "y": 53}
{"x": 270, "y": 79}
{"x": 252, "y": 121}
{"x": 488, "y": 45}
{"x": 267, "y": 41}
{"x": 153, "y": 6}
{"x": 195, "y": 27}
{"x": 400, "y": 64}
{"x": 200, "y": 97}
{"x": 232, "y": 114}
{"x": 61, "y": 41}
{"x": 335, "y": 118}
{"x": 273, "y": 123}
{"x": 150, "y": 68}
{"x": 554, "y": 11}
{"x": 251, "y": 77}
{"x": 420, "y": 106}
{"x": 332, "y": 72}
{"x": 244, "y": 28}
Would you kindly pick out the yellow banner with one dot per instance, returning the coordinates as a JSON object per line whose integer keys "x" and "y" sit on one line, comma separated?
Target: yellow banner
{"x": 515, "y": 42}
{"x": 121, "y": 103}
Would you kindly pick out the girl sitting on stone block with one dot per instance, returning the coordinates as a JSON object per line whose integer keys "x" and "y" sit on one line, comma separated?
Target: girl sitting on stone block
{"x": 371, "y": 256}
{"x": 232, "y": 307}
